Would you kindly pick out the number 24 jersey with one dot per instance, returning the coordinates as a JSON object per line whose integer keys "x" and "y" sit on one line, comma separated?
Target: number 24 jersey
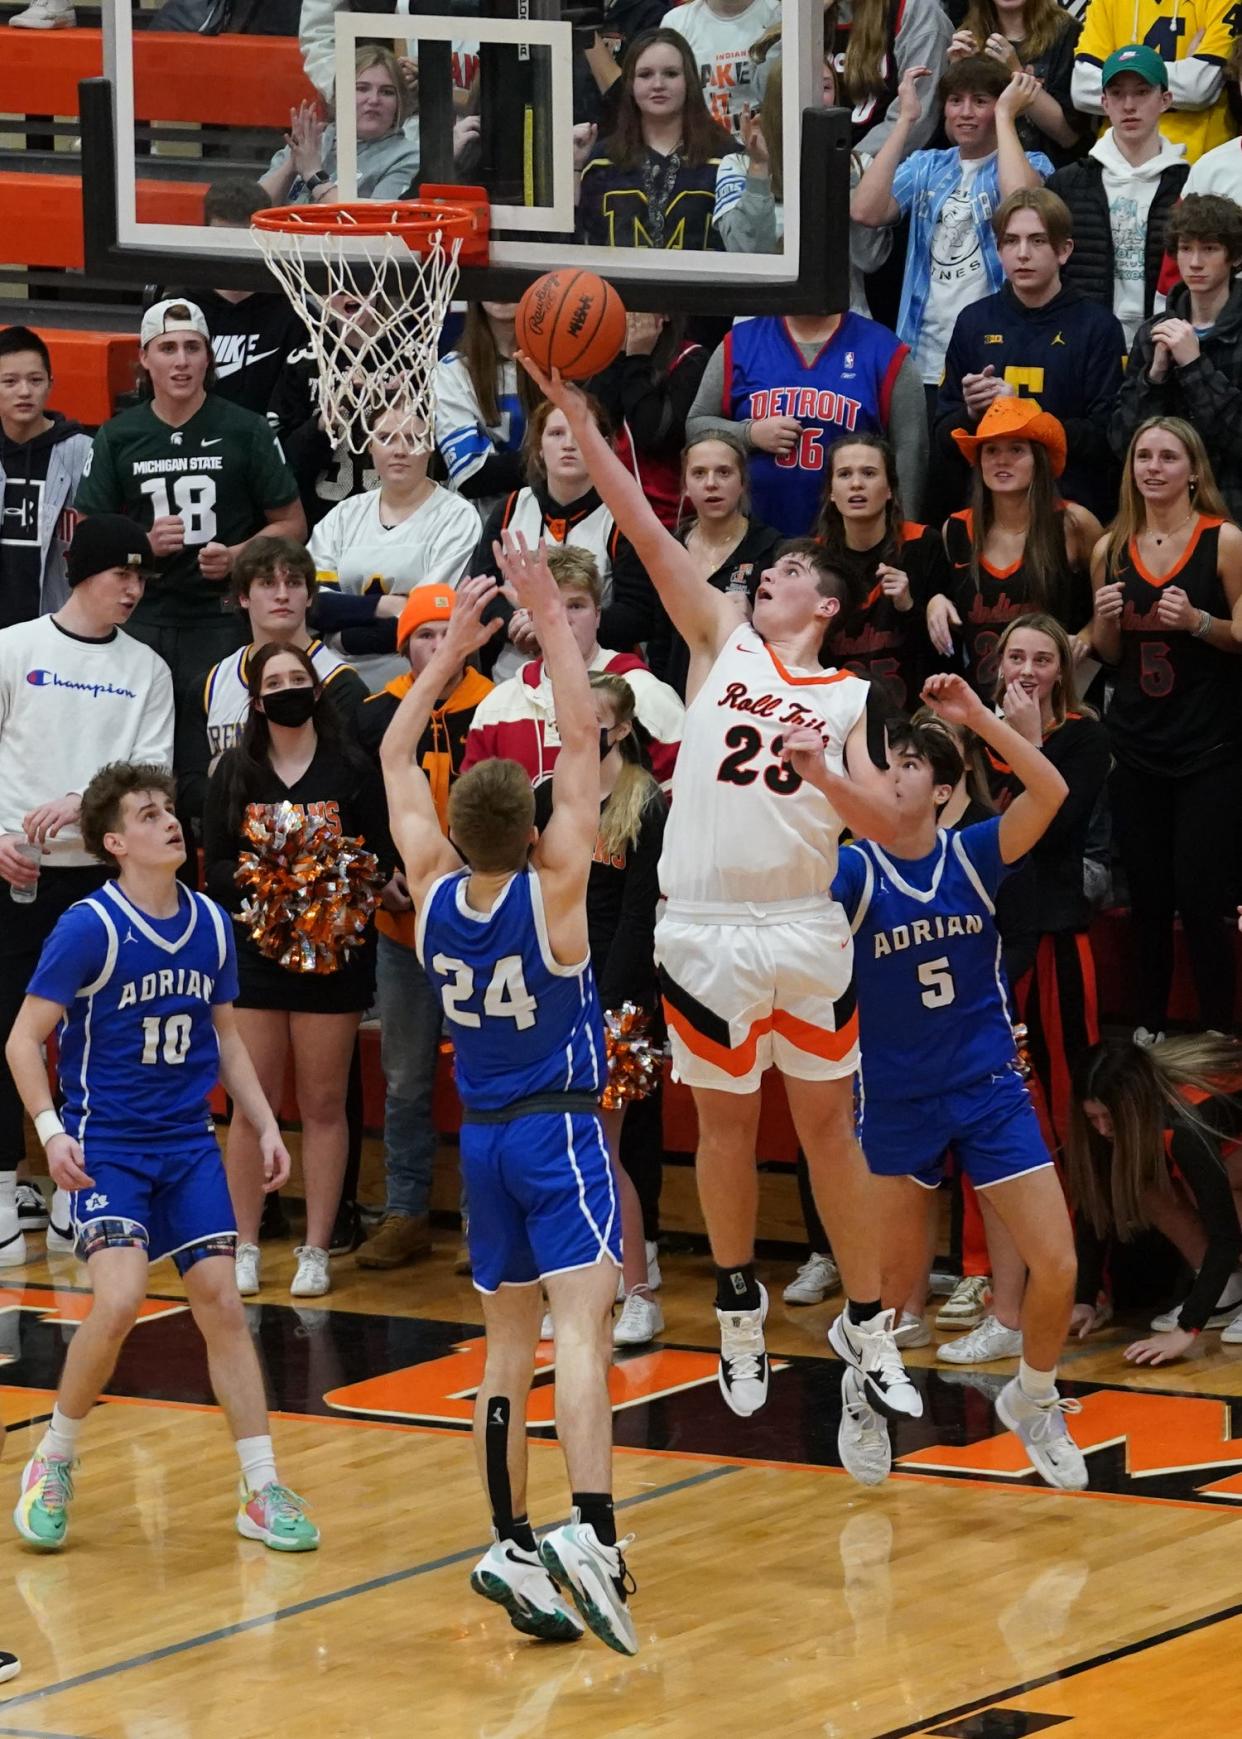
{"x": 933, "y": 1007}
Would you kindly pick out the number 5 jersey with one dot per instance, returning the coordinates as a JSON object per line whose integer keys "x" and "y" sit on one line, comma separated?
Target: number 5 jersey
{"x": 138, "y": 1047}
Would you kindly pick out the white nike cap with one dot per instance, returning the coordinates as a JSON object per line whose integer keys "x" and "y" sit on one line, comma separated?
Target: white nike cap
{"x": 173, "y": 315}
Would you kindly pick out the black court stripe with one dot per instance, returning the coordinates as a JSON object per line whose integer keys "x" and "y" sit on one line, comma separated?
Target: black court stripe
{"x": 152, "y": 1656}
{"x": 35, "y": 1733}
{"x": 1070, "y": 1672}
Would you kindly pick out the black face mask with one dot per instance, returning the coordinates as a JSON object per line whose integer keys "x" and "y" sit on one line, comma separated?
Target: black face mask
{"x": 289, "y": 706}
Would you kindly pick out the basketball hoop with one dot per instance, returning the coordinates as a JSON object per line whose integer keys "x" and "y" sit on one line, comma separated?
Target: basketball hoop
{"x": 389, "y": 272}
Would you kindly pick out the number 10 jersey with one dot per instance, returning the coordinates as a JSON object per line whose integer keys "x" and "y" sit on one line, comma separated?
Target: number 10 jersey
{"x": 745, "y": 830}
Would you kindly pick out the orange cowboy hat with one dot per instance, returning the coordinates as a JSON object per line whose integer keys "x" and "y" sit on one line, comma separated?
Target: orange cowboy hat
{"x": 1019, "y": 419}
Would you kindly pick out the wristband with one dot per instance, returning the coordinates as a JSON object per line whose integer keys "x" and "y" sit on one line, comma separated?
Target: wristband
{"x": 1194, "y": 1332}
{"x": 1205, "y": 625}
{"x": 47, "y": 1124}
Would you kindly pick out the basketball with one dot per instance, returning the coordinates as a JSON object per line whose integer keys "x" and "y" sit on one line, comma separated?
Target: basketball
{"x": 573, "y": 321}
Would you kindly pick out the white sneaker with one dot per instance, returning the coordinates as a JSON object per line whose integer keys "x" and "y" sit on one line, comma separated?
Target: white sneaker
{"x": 10, "y": 1666}
{"x": 12, "y": 1243}
{"x": 517, "y": 1580}
{"x": 547, "y": 1328}
{"x": 246, "y": 1268}
{"x": 817, "y": 1277}
{"x": 1041, "y": 1428}
{"x": 640, "y": 1321}
{"x": 873, "y": 1351}
{"x": 862, "y": 1436}
{"x": 1232, "y": 1336}
{"x": 912, "y": 1331}
{"x": 596, "y": 1578}
{"x": 31, "y": 1207}
{"x": 655, "y": 1279}
{"x": 1147, "y": 1039}
{"x": 967, "y": 1304}
{"x": 61, "y": 1239}
{"x": 312, "y": 1279}
{"x": 1221, "y": 1317}
{"x": 46, "y": 15}
{"x": 743, "y": 1371}
{"x": 991, "y": 1340}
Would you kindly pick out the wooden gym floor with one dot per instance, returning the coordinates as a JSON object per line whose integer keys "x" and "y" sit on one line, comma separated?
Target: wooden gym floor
{"x": 775, "y": 1597}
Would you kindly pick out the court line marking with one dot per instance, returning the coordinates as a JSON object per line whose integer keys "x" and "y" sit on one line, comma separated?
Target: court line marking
{"x": 1069, "y": 1672}
{"x": 32, "y": 1733}
{"x": 315, "y": 1603}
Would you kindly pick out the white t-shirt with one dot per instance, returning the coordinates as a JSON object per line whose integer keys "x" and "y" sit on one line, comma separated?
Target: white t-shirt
{"x": 353, "y": 550}
{"x": 958, "y": 273}
{"x": 722, "y": 46}
{"x": 1218, "y": 171}
{"x": 1129, "y": 202}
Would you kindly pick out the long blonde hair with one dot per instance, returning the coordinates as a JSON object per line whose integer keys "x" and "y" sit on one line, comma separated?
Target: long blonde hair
{"x": 1043, "y": 20}
{"x": 1065, "y": 697}
{"x": 1205, "y": 497}
{"x": 1142, "y": 1089}
{"x": 864, "y": 54}
{"x": 622, "y": 818}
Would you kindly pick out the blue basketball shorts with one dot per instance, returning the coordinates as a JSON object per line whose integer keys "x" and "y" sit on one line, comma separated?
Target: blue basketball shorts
{"x": 991, "y": 1125}
{"x": 540, "y": 1196}
{"x": 170, "y": 1204}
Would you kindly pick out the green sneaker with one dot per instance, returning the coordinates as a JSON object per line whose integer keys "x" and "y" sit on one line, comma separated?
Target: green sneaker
{"x": 277, "y": 1516}
{"x": 42, "y": 1513}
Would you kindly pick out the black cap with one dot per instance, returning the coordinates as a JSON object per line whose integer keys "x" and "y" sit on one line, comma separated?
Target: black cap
{"x": 106, "y": 540}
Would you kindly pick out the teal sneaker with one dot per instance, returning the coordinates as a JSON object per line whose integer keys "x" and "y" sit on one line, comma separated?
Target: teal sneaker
{"x": 278, "y": 1517}
{"x": 42, "y": 1513}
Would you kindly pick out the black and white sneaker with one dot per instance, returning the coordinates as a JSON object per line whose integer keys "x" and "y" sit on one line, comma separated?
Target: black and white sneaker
{"x": 596, "y": 1579}
{"x": 31, "y": 1207}
{"x": 743, "y": 1373}
{"x": 10, "y": 1666}
{"x": 12, "y": 1238}
{"x": 61, "y": 1237}
{"x": 862, "y": 1437}
{"x": 872, "y": 1351}
{"x": 518, "y": 1581}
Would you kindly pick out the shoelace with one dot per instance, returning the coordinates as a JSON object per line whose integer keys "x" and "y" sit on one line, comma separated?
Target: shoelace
{"x": 285, "y": 1505}
{"x": 1051, "y": 1424}
{"x": 57, "y": 1484}
{"x": 882, "y": 1356}
{"x": 624, "y": 1582}
{"x": 746, "y": 1350}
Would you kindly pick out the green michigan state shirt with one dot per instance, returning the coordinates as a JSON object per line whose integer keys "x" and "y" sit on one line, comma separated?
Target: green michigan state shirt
{"x": 220, "y": 473}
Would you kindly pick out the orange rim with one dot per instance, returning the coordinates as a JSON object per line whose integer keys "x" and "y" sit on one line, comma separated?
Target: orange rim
{"x": 416, "y": 221}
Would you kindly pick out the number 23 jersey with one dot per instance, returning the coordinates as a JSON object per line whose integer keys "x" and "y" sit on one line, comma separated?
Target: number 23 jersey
{"x": 138, "y": 1047}
{"x": 933, "y": 1009}
{"x": 521, "y": 1023}
{"x": 744, "y": 829}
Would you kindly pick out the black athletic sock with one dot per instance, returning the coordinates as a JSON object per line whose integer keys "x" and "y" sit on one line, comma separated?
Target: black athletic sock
{"x": 737, "y": 1288}
{"x": 595, "y": 1509}
{"x": 861, "y": 1313}
{"x": 519, "y": 1531}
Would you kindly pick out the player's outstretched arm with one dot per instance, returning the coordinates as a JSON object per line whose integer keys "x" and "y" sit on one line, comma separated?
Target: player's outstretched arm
{"x": 36, "y": 1020}
{"x": 563, "y": 855}
{"x": 413, "y": 821}
{"x": 241, "y": 1083}
{"x": 862, "y": 796}
{"x": 1030, "y": 814}
{"x": 700, "y": 614}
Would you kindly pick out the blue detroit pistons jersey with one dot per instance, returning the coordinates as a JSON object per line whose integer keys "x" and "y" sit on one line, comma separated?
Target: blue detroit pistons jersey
{"x": 933, "y": 1007}
{"x": 521, "y": 1024}
{"x": 138, "y": 1050}
{"x": 845, "y": 389}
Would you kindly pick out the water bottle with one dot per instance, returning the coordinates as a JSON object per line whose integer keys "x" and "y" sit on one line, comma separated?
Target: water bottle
{"x": 26, "y": 896}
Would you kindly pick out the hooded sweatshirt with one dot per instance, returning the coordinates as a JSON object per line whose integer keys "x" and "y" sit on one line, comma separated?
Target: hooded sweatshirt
{"x": 1119, "y": 214}
{"x": 38, "y": 481}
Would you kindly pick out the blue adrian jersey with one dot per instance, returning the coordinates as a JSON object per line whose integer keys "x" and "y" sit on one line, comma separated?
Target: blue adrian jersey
{"x": 521, "y": 1024}
{"x": 933, "y": 1008}
{"x": 138, "y": 1049}
{"x": 845, "y": 389}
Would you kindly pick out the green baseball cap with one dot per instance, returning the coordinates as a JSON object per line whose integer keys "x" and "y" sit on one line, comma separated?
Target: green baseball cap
{"x": 1136, "y": 58}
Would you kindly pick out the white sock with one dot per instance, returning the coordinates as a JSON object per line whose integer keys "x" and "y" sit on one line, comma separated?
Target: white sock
{"x": 1036, "y": 1385}
{"x": 61, "y": 1437}
{"x": 258, "y": 1462}
{"x": 8, "y": 1190}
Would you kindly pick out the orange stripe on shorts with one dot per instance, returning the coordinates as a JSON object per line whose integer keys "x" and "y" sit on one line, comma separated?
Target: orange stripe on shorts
{"x": 818, "y": 1040}
{"x": 736, "y": 1060}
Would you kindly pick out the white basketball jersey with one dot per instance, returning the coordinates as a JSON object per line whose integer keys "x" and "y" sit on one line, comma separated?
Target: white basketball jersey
{"x": 744, "y": 829}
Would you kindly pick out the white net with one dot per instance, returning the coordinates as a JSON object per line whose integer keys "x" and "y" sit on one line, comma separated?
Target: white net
{"x": 375, "y": 327}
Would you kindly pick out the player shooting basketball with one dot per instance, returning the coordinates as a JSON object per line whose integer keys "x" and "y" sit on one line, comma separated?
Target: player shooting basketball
{"x": 755, "y": 956}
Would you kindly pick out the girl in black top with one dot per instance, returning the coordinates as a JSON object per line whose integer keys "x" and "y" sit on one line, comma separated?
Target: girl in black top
{"x": 1031, "y": 36}
{"x": 653, "y": 185}
{"x": 1155, "y": 1141}
{"x": 1018, "y": 547}
{"x": 1167, "y": 580}
{"x": 892, "y": 566}
{"x": 622, "y": 893}
{"x": 291, "y": 751}
{"x": 730, "y": 550}
{"x": 1055, "y": 1000}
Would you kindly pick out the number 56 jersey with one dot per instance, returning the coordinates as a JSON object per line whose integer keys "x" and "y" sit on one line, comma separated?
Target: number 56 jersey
{"x": 933, "y": 1007}
{"x": 521, "y": 1023}
{"x": 138, "y": 1047}
{"x": 745, "y": 830}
